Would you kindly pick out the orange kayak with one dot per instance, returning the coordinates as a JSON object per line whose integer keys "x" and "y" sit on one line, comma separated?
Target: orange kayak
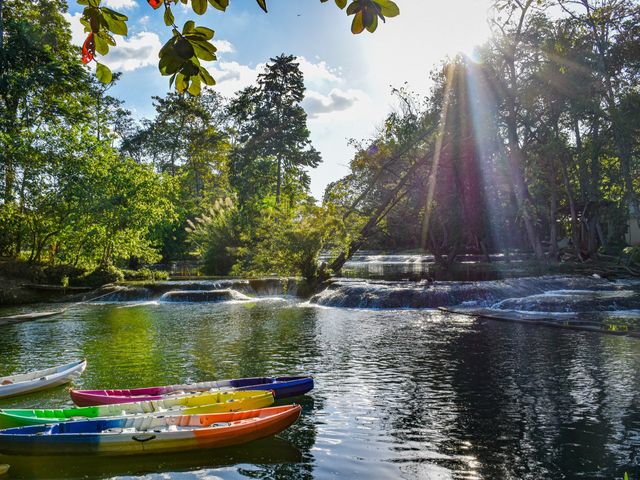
{"x": 148, "y": 434}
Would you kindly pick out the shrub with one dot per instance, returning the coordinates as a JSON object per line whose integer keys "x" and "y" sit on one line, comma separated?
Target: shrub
{"x": 102, "y": 275}
{"x": 215, "y": 237}
{"x": 56, "y": 275}
{"x": 145, "y": 274}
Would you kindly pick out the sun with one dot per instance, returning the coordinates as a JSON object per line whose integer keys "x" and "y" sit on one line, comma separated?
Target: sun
{"x": 422, "y": 36}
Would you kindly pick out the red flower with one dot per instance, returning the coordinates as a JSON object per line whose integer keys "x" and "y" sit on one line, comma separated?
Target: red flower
{"x": 155, "y": 3}
{"x": 88, "y": 49}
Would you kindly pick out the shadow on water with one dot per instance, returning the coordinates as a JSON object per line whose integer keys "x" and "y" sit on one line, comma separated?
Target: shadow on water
{"x": 269, "y": 457}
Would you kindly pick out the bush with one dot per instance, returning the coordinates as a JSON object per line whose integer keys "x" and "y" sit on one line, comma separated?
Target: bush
{"x": 56, "y": 275}
{"x": 289, "y": 242}
{"x": 215, "y": 237}
{"x": 145, "y": 274}
{"x": 102, "y": 275}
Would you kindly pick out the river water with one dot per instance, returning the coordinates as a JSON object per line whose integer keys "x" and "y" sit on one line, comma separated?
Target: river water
{"x": 401, "y": 392}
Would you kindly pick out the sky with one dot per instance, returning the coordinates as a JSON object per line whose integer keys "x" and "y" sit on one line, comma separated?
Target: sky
{"x": 348, "y": 77}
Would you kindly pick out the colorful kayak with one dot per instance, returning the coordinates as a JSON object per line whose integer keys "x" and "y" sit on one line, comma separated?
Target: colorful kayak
{"x": 281, "y": 387}
{"x": 147, "y": 434}
{"x": 215, "y": 402}
{"x": 41, "y": 379}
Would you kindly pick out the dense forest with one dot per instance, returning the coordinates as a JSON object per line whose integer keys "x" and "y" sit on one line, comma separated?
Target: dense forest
{"x": 531, "y": 144}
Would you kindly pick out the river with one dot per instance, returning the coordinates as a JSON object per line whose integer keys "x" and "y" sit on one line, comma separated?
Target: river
{"x": 402, "y": 390}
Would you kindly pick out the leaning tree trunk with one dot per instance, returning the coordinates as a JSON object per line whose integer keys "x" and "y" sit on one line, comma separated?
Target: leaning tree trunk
{"x": 389, "y": 200}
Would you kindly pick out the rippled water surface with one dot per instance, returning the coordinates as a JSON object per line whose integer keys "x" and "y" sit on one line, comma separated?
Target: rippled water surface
{"x": 399, "y": 393}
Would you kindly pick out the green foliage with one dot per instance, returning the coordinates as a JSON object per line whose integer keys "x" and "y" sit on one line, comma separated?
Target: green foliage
{"x": 289, "y": 242}
{"x": 181, "y": 55}
{"x": 145, "y": 274}
{"x": 215, "y": 236}
{"x": 103, "y": 275}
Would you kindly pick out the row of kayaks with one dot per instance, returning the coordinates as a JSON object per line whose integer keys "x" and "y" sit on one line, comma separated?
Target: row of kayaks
{"x": 153, "y": 419}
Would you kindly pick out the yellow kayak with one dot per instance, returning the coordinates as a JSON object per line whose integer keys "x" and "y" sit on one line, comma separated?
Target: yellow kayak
{"x": 203, "y": 403}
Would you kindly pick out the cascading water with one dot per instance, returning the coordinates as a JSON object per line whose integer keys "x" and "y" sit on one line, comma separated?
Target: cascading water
{"x": 384, "y": 294}
{"x": 202, "y": 296}
{"x": 198, "y": 290}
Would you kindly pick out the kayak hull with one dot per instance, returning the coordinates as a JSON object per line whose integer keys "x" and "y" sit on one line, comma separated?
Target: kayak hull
{"x": 14, "y": 385}
{"x": 282, "y": 387}
{"x": 115, "y": 437}
{"x": 205, "y": 403}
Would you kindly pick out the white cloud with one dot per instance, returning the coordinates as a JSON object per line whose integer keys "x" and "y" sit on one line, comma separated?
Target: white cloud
{"x": 129, "y": 54}
{"x": 318, "y": 72}
{"x": 337, "y": 100}
{"x": 224, "y": 46}
{"x": 233, "y": 76}
{"x": 77, "y": 29}
{"x": 139, "y": 51}
{"x": 120, "y": 4}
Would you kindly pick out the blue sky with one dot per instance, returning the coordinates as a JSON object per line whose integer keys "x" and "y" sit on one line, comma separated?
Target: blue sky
{"x": 348, "y": 77}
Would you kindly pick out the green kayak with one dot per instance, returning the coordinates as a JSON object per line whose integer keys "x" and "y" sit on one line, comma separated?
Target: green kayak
{"x": 204, "y": 403}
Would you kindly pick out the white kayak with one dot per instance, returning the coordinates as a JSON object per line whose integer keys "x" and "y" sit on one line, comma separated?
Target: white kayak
{"x": 40, "y": 379}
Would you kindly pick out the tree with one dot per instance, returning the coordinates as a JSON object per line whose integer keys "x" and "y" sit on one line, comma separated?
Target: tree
{"x": 41, "y": 84}
{"x": 272, "y": 130}
{"x": 180, "y": 57}
{"x": 187, "y": 140}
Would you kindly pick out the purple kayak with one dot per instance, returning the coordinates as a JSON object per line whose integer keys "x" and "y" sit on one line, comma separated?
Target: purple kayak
{"x": 282, "y": 387}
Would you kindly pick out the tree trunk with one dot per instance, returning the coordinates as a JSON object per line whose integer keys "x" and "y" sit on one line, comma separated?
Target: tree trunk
{"x": 279, "y": 182}
{"x": 516, "y": 162}
{"x": 380, "y": 212}
{"x": 575, "y": 235}
{"x": 553, "y": 210}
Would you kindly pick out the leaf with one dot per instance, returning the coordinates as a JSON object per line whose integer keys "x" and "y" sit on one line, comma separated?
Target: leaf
{"x": 206, "y": 76}
{"x": 219, "y": 4}
{"x": 202, "y": 51}
{"x": 195, "y": 87}
{"x": 181, "y": 82}
{"x": 367, "y": 17}
{"x": 103, "y": 73}
{"x": 183, "y": 48}
{"x": 354, "y": 8}
{"x": 102, "y": 47}
{"x": 341, "y": 4}
{"x": 88, "y": 49}
{"x": 373, "y": 25}
{"x": 263, "y": 4}
{"x": 191, "y": 68}
{"x": 205, "y": 32}
{"x": 114, "y": 14}
{"x": 114, "y": 25}
{"x": 199, "y": 6}
{"x": 388, "y": 8}
{"x": 189, "y": 26}
{"x": 357, "y": 26}
{"x": 170, "y": 63}
{"x": 169, "y": 19}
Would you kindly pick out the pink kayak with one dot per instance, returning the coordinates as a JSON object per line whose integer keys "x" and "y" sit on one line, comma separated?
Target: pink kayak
{"x": 282, "y": 387}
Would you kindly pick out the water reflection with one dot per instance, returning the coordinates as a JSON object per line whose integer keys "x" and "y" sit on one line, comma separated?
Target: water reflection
{"x": 399, "y": 393}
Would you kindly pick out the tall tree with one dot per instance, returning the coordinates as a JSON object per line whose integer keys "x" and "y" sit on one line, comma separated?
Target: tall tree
{"x": 272, "y": 126}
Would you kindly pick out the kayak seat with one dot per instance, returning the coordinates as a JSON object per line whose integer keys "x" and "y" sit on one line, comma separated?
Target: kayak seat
{"x": 6, "y": 382}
